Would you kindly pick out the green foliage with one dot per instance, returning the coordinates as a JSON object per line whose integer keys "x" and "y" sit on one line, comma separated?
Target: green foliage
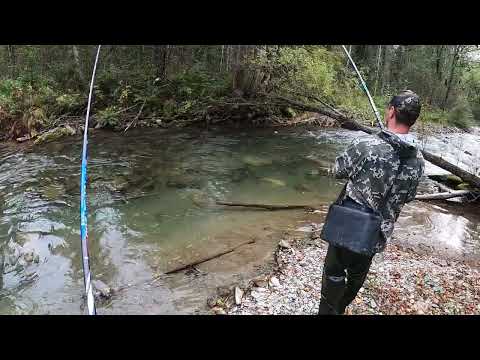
{"x": 45, "y": 82}
{"x": 461, "y": 115}
{"x": 476, "y": 112}
{"x": 309, "y": 70}
{"x": 108, "y": 117}
{"x": 198, "y": 83}
{"x": 68, "y": 102}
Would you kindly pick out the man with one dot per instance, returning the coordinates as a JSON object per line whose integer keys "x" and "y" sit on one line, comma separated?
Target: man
{"x": 383, "y": 171}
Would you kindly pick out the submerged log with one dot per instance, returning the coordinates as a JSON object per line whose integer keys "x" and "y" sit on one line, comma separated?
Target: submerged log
{"x": 207, "y": 258}
{"x": 352, "y": 124}
{"x": 266, "y": 206}
{"x": 436, "y": 196}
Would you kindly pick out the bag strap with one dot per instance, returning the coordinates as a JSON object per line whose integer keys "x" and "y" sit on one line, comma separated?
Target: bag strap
{"x": 342, "y": 194}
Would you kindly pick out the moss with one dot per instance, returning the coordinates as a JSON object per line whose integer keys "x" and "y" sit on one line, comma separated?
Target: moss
{"x": 54, "y": 134}
{"x": 463, "y": 186}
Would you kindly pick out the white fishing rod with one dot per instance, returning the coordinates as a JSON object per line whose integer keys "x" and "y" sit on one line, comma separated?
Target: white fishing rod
{"x": 83, "y": 203}
{"x": 364, "y": 85}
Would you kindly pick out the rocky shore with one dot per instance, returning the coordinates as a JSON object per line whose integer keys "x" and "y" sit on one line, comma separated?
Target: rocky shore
{"x": 400, "y": 282}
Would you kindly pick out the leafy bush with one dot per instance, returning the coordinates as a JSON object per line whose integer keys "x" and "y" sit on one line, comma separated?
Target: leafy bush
{"x": 309, "y": 70}
{"x": 476, "y": 111}
{"x": 108, "y": 117}
{"x": 431, "y": 114}
{"x": 198, "y": 83}
{"x": 461, "y": 115}
{"x": 68, "y": 102}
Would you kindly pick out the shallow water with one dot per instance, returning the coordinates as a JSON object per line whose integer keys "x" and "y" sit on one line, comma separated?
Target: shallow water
{"x": 152, "y": 207}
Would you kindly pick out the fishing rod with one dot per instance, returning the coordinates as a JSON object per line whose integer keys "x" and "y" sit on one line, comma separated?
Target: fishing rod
{"x": 83, "y": 203}
{"x": 364, "y": 85}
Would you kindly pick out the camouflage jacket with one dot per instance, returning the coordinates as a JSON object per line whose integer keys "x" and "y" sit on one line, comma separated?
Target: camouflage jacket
{"x": 383, "y": 174}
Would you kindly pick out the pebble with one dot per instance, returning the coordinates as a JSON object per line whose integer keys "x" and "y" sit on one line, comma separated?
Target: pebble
{"x": 274, "y": 282}
{"x": 238, "y": 295}
{"x": 301, "y": 276}
{"x": 219, "y": 311}
{"x": 284, "y": 244}
{"x": 260, "y": 282}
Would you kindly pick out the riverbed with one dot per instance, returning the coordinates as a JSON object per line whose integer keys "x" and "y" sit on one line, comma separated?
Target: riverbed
{"x": 152, "y": 208}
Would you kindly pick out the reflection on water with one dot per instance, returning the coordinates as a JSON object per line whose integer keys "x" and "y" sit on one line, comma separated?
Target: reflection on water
{"x": 450, "y": 227}
{"x": 152, "y": 207}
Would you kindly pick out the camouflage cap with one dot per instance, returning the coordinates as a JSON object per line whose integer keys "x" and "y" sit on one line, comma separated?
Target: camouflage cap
{"x": 408, "y": 103}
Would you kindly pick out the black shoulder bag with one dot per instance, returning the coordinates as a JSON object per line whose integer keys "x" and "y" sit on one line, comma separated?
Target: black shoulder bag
{"x": 355, "y": 228}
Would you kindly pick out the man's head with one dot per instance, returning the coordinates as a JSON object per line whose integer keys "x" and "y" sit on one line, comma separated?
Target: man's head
{"x": 402, "y": 112}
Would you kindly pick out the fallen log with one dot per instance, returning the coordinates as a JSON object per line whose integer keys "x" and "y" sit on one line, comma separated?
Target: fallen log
{"x": 271, "y": 207}
{"x": 207, "y": 258}
{"x": 266, "y": 206}
{"x": 442, "y": 187}
{"x": 352, "y": 124}
{"x": 443, "y": 195}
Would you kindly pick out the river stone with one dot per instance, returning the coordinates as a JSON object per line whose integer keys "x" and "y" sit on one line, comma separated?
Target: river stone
{"x": 53, "y": 191}
{"x": 218, "y": 311}
{"x": 284, "y": 244}
{"x": 223, "y": 291}
{"x": 102, "y": 289}
{"x": 312, "y": 173}
{"x": 256, "y": 161}
{"x": 119, "y": 183}
{"x": 239, "y": 175}
{"x": 275, "y": 182}
{"x": 211, "y": 302}
{"x": 238, "y": 295}
{"x": 302, "y": 188}
{"x": 198, "y": 197}
{"x": 182, "y": 181}
{"x": 274, "y": 282}
{"x": 55, "y": 134}
{"x": 260, "y": 282}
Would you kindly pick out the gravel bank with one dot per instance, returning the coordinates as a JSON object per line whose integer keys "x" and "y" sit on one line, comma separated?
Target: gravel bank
{"x": 400, "y": 282}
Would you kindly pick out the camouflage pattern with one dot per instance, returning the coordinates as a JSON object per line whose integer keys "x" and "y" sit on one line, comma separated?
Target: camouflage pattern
{"x": 377, "y": 179}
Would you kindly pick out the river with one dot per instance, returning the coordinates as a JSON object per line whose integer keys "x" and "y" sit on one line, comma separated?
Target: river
{"x": 152, "y": 207}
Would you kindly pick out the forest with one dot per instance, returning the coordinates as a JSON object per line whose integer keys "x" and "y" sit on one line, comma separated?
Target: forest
{"x": 162, "y": 85}
{"x": 205, "y": 190}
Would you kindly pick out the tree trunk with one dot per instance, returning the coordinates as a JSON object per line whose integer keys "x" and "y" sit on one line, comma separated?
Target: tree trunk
{"x": 443, "y": 196}
{"x": 379, "y": 59}
{"x": 387, "y": 67}
{"x": 221, "y": 58}
{"x": 438, "y": 63}
{"x": 12, "y": 58}
{"x": 451, "y": 76}
{"x": 352, "y": 124}
{"x": 160, "y": 59}
{"x": 78, "y": 65}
